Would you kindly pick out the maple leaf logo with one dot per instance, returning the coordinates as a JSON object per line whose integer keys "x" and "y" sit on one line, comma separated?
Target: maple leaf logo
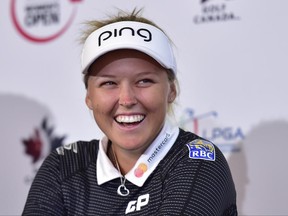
{"x": 34, "y": 144}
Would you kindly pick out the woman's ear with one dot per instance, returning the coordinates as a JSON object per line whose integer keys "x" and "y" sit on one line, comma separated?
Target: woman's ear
{"x": 88, "y": 101}
{"x": 172, "y": 93}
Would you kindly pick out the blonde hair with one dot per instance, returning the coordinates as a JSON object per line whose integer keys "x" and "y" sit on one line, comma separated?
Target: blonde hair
{"x": 135, "y": 15}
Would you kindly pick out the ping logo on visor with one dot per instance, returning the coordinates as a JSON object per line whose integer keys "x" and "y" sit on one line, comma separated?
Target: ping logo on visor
{"x": 143, "y": 33}
{"x": 201, "y": 149}
{"x": 128, "y": 35}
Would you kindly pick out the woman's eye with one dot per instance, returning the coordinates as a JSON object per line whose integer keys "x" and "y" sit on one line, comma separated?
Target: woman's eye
{"x": 108, "y": 83}
{"x": 145, "y": 81}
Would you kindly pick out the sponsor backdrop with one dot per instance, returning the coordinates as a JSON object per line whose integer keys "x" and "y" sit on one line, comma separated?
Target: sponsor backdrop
{"x": 232, "y": 56}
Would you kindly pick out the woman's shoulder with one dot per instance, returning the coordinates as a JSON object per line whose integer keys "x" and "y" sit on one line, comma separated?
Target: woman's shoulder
{"x": 195, "y": 151}
{"x": 78, "y": 148}
{"x": 196, "y": 167}
{"x": 195, "y": 159}
{"x": 192, "y": 146}
{"x": 70, "y": 158}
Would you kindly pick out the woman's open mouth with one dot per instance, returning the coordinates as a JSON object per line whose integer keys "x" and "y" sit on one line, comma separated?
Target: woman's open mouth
{"x": 129, "y": 120}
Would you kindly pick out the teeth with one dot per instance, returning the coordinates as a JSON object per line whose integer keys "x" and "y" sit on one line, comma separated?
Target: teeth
{"x": 129, "y": 119}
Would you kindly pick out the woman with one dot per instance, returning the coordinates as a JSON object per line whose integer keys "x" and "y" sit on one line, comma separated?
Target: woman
{"x": 143, "y": 165}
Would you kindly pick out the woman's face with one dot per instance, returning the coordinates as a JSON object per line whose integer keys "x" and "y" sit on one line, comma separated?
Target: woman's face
{"x": 129, "y": 93}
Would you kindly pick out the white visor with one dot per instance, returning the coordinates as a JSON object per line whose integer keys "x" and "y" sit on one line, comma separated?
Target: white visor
{"x": 128, "y": 35}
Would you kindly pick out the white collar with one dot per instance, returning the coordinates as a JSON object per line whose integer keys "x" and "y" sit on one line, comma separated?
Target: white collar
{"x": 146, "y": 163}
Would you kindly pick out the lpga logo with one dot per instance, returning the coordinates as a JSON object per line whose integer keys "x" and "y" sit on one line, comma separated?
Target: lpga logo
{"x": 42, "y": 21}
{"x": 205, "y": 125}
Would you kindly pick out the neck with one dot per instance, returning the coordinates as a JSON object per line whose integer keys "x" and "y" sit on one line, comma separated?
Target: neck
{"x": 121, "y": 160}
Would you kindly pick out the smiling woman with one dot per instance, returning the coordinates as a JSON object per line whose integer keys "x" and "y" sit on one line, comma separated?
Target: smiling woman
{"x": 129, "y": 93}
{"x": 144, "y": 164}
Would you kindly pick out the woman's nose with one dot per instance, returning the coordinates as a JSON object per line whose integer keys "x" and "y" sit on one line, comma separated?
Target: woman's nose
{"x": 127, "y": 96}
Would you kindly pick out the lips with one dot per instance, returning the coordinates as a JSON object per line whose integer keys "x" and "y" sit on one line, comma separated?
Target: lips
{"x": 129, "y": 119}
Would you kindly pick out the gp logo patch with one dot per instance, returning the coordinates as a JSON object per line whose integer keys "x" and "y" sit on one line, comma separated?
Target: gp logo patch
{"x": 201, "y": 149}
{"x": 136, "y": 205}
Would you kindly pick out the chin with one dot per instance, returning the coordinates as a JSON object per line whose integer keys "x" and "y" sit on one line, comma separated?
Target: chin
{"x": 133, "y": 145}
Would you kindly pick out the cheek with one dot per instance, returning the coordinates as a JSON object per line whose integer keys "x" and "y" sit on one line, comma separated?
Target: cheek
{"x": 101, "y": 107}
{"x": 97, "y": 102}
{"x": 154, "y": 98}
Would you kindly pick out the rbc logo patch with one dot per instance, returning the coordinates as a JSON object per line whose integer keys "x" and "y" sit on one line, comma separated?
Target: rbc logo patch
{"x": 201, "y": 149}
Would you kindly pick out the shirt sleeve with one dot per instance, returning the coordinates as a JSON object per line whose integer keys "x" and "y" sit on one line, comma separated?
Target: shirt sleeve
{"x": 199, "y": 187}
{"x": 45, "y": 197}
